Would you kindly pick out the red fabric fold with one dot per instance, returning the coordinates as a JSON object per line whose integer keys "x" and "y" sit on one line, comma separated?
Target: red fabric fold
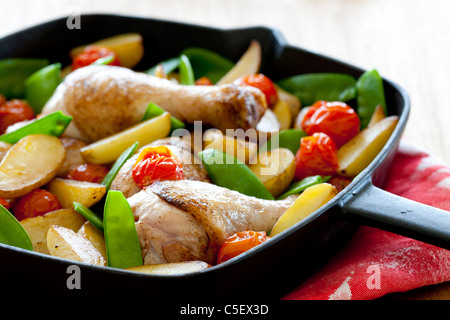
{"x": 376, "y": 262}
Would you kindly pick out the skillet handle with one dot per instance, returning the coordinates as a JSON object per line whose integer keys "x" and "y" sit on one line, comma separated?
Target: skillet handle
{"x": 375, "y": 207}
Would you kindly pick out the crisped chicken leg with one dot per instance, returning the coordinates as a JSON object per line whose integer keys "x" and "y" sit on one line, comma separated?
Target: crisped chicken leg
{"x": 104, "y": 100}
{"x": 189, "y": 220}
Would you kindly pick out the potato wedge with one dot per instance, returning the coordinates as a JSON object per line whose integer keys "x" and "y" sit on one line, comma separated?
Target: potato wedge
{"x": 292, "y": 101}
{"x": 306, "y": 203}
{"x": 248, "y": 64}
{"x": 377, "y": 115}
{"x": 30, "y": 163}
{"x": 172, "y": 268}
{"x": 107, "y": 150}
{"x": 358, "y": 153}
{"x": 67, "y": 244}
{"x": 283, "y": 114}
{"x": 239, "y": 148}
{"x": 4, "y": 147}
{"x": 37, "y": 227}
{"x": 300, "y": 116}
{"x": 67, "y": 191}
{"x": 129, "y": 48}
{"x": 276, "y": 169}
{"x": 94, "y": 235}
{"x": 268, "y": 125}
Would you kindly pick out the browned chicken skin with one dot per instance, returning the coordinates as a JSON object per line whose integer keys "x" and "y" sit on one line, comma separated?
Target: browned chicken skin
{"x": 104, "y": 100}
{"x": 189, "y": 220}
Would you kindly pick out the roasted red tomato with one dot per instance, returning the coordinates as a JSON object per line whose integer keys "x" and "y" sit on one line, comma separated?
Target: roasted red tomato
{"x": 14, "y": 111}
{"x": 239, "y": 243}
{"x": 317, "y": 156}
{"x": 5, "y": 203}
{"x": 203, "y": 81}
{"x": 264, "y": 84}
{"x": 156, "y": 163}
{"x": 336, "y": 119}
{"x": 92, "y": 53}
{"x": 36, "y": 203}
{"x": 88, "y": 172}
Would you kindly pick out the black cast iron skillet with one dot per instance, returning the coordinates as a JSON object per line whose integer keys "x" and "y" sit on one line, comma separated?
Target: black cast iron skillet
{"x": 268, "y": 271}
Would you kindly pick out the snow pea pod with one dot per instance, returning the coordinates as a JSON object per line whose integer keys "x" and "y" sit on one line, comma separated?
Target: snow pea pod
{"x": 14, "y": 72}
{"x": 186, "y": 73}
{"x": 153, "y": 110}
{"x": 91, "y": 216}
{"x": 206, "y": 63}
{"x": 369, "y": 94}
{"x": 122, "y": 243}
{"x": 12, "y": 232}
{"x": 300, "y": 186}
{"x": 289, "y": 138}
{"x": 168, "y": 66}
{"x": 108, "y": 179}
{"x": 312, "y": 87}
{"x": 227, "y": 171}
{"x": 52, "y": 124}
{"x": 39, "y": 87}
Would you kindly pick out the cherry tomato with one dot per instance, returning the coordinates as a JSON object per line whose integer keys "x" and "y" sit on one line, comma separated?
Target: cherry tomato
{"x": 203, "y": 81}
{"x": 340, "y": 182}
{"x": 239, "y": 243}
{"x": 263, "y": 83}
{"x": 336, "y": 119}
{"x": 5, "y": 203}
{"x": 92, "y": 53}
{"x": 36, "y": 203}
{"x": 317, "y": 156}
{"x": 14, "y": 111}
{"x": 156, "y": 163}
{"x": 2, "y": 99}
{"x": 88, "y": 172}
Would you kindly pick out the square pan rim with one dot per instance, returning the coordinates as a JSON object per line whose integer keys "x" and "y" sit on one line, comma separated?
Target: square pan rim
{"x": 282, "y": 43}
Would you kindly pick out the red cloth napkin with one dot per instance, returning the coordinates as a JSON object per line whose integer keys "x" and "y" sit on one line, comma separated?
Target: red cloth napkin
{"x": 376, "y": 262}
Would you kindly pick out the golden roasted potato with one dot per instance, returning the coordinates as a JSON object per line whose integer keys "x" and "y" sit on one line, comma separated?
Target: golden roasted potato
{"x": 73, "y": 155}
{"x": 306, "y": 203}
{"x": 171, "y": 268}
{"x": 275, "y": 168}
{"x": 107, "y": 150}
{"x": 248, "y": 64}
{"x": 268, "y": 125}
{"x": 358, "y": 153}
{"x": 94, "y": 235}
{"x": 129, "y": 48}
{"x": 67, "y": 191}
{"x": 292, "y": 101}
{"x": 30, "y": 163}
{"x": 37, "y": 227}
{"x": 283, "y": 114}
{"x": 299, "y": 119}
{"x": 238, "y": 147}
{"x": 4, "y": 147}
{"x": 67, "y": 244}
{"x": 377, "y": 115}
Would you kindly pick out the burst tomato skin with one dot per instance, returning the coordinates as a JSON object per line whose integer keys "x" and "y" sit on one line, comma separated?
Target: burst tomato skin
{"x": 264, "y": 84}
{"x": 203, "y": 81}
{"x": 239, "y": 243}
{"x": 335, "y": 118}
{"x": 92, "y": 53}
{"x": 5, "y": 203}
{"x": 36, "y": 203}
{"x": 13, "y": 111}
{"x": 156, "y": 163}
{"x": 88, "y": 172}
{"x": 317, "y": 156}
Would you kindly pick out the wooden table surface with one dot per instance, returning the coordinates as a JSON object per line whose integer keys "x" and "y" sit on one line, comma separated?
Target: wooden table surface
{"x": 407, "y": 41}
